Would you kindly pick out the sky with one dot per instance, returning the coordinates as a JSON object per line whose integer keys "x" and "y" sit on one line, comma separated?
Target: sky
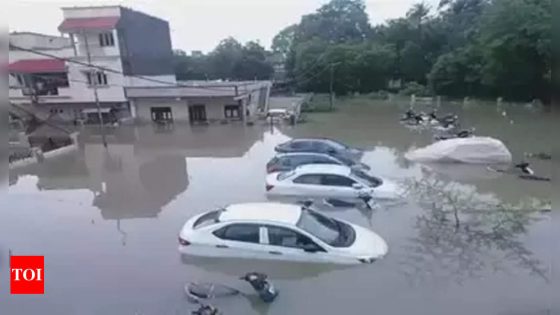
{"x": 197, "y": 24}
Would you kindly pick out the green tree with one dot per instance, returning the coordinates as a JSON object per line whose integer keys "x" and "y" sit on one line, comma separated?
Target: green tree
{"x": 282, "y": 42}
{"x": 224, "y": 58}
{"x": 484, "y": 48}
{"x": 458, "y": 73}
{"x": 252, "y": 64}
{"x": 190, "y": 67}
{"x": 517, "y": 36}
{"x": 338, "y": 21}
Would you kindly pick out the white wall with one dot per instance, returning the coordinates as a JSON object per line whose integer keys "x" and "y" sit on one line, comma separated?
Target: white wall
{"x": 84, "y": 12}
{"x": 179, "y": 108}
{"x": 15, "y": 55}
{"x": 79, "y": 91}
{"x": 82, "y": 92}
{"x": 39, "y": 41}
{"x": 95, "y": 48}
{"x": 138, "y": 82}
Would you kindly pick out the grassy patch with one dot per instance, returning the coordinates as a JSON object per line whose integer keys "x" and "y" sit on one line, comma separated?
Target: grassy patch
{"x": 320, "y": 103}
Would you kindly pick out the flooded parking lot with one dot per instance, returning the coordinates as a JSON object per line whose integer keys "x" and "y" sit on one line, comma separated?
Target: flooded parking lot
{"x": 107, "y": 219}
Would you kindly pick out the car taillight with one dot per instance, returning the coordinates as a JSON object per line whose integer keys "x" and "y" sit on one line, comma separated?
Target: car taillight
{"x": 269, "y": 169}
{"x": 184, "y": 242}
{"x": 269, "y": 187}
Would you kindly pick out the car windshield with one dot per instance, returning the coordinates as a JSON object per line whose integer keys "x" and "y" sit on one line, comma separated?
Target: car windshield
{"x": 324, "y": 228}
{"x": 285, "y": 175}
{"x": 370, "y": 180}
{"x": 346, "y": 161}
{"x": 207, "y": 219}
{"x": 336, "y": 145}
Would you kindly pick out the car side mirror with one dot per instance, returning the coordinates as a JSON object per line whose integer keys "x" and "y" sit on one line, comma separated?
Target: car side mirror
{"x": 331, "y": 151}
{"x": 357, "y": 186}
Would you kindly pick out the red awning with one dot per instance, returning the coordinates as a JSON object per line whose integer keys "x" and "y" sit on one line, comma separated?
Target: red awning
{"x": 37, "y": 66}
{"x": 93, "y": 23}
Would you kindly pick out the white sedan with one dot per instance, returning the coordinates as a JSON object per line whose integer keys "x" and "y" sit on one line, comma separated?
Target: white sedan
{"x": 279, "y": 232}
{"x": 334, "y": 181}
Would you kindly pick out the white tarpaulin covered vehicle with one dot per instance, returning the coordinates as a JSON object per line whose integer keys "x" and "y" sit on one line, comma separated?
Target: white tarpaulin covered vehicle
{"x": 474, "y": 150}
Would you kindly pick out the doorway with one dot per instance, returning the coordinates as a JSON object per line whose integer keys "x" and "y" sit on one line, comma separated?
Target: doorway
{"x": 197, "y": 113}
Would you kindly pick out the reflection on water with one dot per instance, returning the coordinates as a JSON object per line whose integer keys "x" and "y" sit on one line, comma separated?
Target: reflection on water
{"x": 450, "y": 252}
{"x": 235, "y": 267}
{"x": 140, "y": 171}
{"x": 463, "y": 234}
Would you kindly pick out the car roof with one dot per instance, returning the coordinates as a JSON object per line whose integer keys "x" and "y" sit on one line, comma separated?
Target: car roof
{"x": 288, "y": 154}
{"x": 262, "y": 211}
{"x": 278, "y": 110}
{"x": 323, "y": 169}
{"x": 313, "y": 139}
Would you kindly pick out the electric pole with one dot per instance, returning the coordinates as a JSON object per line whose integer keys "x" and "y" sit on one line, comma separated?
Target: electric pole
{"x": 93, "y": 79}
{"x": 331, "y": 85}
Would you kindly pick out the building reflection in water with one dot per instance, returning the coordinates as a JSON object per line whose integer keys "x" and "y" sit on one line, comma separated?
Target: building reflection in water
{"x": 142, "y": 169}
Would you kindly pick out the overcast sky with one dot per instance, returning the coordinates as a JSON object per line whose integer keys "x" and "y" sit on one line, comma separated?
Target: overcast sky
{"x": 198, "y": 24}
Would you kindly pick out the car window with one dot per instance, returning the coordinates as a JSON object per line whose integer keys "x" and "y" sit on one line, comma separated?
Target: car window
{"x": 248, "y": 233}
{"x": 322, "y": 160}
{"x": 300, "y": 145}
{"x": 324, "y": 228}
{"x": 372, "y": 181}
{"x": 308, "y": 179}
{"x": 320, "y": 146}
{"x": 279, "y": 236}
{"x": 209, "y": 218}
{"x": 345, "y": 160}
{"x": 337, "y": 180}
{"x": 285, "y": 175}
{"x": 336, "y": 145}
{"x": 285, "y": 160}
{"x": 302, "y": 159}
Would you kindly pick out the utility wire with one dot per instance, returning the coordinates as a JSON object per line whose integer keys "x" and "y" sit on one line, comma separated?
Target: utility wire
{"x": 89, "y": 65}
{"x": 327, "y": 67}
{"x": 309, "y": 68}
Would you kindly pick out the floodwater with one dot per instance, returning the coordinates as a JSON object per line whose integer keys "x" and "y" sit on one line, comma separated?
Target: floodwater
{"x": 107, "y": 219}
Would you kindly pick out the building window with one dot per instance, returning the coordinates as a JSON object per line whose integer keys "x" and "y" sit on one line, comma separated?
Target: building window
{"x": 56, "y": 111}
{"x": 106, "y": 39}
{"x": 96, "y": 78}
{"x": 160, "y": 114}
{"x": 231, "y": 111}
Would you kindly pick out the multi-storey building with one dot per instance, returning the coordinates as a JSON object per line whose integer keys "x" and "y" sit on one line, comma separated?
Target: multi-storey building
{"x": 124, "y": 59}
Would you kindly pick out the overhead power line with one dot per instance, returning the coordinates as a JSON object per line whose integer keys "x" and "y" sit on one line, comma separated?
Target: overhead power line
{"x": 309, "y": 68}
{"x": 105, "y": 69}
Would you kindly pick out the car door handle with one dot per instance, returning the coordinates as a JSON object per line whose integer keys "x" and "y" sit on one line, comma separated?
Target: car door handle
{"x": 275, "y": 253}
{"x": 222, "y": 246}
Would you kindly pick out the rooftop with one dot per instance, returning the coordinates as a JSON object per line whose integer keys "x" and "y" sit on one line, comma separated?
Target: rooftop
{"x": 263, "y": 211}
{"x": 37, "y": 66}
{"x": 97, "y": 23}
{"x": 198, "y": 89}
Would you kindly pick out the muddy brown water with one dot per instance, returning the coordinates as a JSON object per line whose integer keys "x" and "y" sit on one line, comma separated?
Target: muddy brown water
{"x": 107, "y": 220}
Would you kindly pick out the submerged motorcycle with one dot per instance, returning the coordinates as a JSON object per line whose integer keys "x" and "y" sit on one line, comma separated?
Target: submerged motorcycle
{"x": 199, "y": 293}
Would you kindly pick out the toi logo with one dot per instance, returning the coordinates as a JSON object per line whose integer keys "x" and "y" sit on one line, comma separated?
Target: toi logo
{"x": 27, "y": 275}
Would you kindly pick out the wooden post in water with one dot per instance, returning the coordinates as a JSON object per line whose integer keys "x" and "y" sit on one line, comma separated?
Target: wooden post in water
{"x": 331, "y": 94}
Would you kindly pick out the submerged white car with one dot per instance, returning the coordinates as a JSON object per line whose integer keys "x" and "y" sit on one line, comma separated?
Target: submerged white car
{"x": 334, "y": 181}
{"x": 279, "y": 231}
